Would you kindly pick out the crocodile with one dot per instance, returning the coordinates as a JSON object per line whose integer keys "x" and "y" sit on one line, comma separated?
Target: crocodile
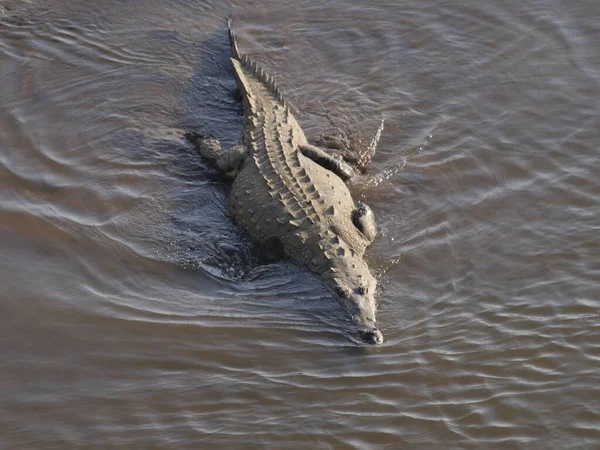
{"x": 292, "y": 196}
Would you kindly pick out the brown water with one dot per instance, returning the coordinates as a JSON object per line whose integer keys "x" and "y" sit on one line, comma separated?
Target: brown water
{"x": 134, "y": 314}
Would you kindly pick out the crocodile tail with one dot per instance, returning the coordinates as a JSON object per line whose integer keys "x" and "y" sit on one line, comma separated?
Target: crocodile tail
{"x": 251, "y": 67}
{"x": 233, "y": 40}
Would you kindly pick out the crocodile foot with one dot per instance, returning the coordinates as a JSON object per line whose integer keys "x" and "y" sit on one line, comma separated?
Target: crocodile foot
{"x": 228, "y": 161}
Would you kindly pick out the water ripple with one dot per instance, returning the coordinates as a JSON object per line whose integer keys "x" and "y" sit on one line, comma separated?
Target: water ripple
{"x": 138, "y": 315}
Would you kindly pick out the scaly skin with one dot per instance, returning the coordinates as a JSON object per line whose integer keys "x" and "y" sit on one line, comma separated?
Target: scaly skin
{"x": 283, "y": 198}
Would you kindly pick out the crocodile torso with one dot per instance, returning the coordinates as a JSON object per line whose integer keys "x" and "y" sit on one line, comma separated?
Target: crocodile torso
{"x": 287, "y": 200}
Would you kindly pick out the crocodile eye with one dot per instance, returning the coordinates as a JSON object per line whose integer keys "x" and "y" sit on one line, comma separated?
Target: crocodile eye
{"x": 341, "y": 292}
{"x": 361, "y": 290}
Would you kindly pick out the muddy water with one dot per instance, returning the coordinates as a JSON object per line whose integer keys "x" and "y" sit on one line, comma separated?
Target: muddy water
{"x": 134, "y": 314}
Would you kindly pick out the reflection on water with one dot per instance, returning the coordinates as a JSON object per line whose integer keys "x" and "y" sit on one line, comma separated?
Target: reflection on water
{"x": 135, "y": 314}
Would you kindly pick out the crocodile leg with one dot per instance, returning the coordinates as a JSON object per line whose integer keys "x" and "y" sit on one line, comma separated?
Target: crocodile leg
{"x": 364, "y": 219}
{"x": 228, "y": 161}
{"x": 352, "y": 149}
{"x": 336, "y": 165}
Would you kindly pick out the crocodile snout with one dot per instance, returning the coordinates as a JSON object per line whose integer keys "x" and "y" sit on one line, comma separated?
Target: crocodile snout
{"x": 371, "y": 336}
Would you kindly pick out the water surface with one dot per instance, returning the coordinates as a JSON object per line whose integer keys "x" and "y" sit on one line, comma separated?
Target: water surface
{"x": 136, "y": 315}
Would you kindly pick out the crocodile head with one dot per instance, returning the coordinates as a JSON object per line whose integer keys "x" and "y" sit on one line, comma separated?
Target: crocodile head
{"x": 355, "y": 289}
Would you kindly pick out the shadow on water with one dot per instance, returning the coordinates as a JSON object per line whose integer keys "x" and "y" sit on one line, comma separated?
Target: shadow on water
{"x": 208, "y": 105}
{"x": 197, "y": 233}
